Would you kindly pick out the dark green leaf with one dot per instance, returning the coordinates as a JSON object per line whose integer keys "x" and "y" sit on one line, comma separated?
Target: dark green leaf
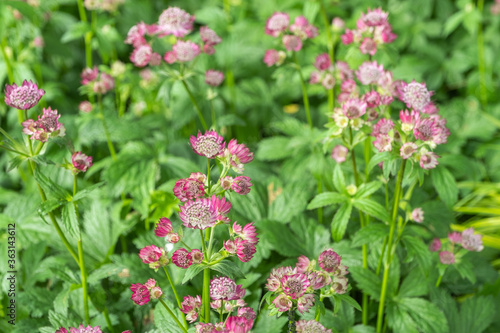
{"x": 476, "y": 314}
{"x": 228, "y": 268}
{"x": 415, "y": 284}
{"x": 70, "y": 220}
{"x": 326, "y": 199}
{"x": 445, "y": 185}
{"x": 283, "y": 240}
{"x": 15, "y": 162}
{"x": 164, "y": 321}
{"x": 340, "y": 220}
{"x": 372, "y": 233}
{"x": 372, "y": 208}
{"x": 428, "y": 316}
{"x": 417, "y": 249}
{"x": 192, "y": 271}
{"x": 376, "y": 159}
{"x": 367, "y": 281}
{"x": 51, "y": 188}
{"x": 466, "y": 270}
{"x": 51, "y": 204}
{"x": 452, "y": 23}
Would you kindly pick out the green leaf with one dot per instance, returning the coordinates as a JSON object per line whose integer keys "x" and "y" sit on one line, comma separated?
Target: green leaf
{"x": 269, "y": 324}
{"x": 50, "y": 187}
{"x": 282, "y": 239}
{"x": 452, "y": 23}
{"x": 370, "y": 234}
{"x": 340, "y": 220}
{"x": 273, "y": 149}
{"x": 349, "y": 300}
{"x": 445, "y": 185}
{"x": 76, "y": 31}
{"x": 266, "y": 298}
{"x": 15, "y": 162}
{"x": 326, "y": 199}
{"x": 22, "y": 7}
{"x": 164, "y": 321}
{"x": 400, "y": 320}
{"x": 70, "y": 220}
{"x": 85, "y": 192}
{"x": 376, "y": 159}
{"x": 338, "y": 178}
{"x": 367, "y": 281}
{"x": 428, "y": 316}
{"x": 192, "y": 271}
{"x": 50, "y": 205}
{"x": 228, "y": 268}
{"x": 418, "y": 250}
{"x": 368, "y": 189}
{"x": 414, "y": 284}
{"x": 476, "y": 314}
{"x": 466, "y": 270}
{"x": 372, "y": 208}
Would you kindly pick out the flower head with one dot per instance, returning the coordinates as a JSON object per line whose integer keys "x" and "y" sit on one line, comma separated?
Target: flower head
{"x": 446, "y": 257}
{"x": 245, "y": 249}
{"x": 472, "y": 242}
{"x": 241, "y": 185}
{"x": 238, "y": 324}
{"x": 274, "y": 57}
{"x": 407, "y": 150}
{"x": 239, "y": 154}
{"x": 140, "y": 294}
{"x": 182, "y": 258}
{"x": 197, "y": 256}
{"x": 85, "y": 106}
{"x": 292, "y": 42}
{"x": 81, "y": 329}
{"x": 311, "y": 326}
{"x": 277, "y": 24}
{"x": 455, "y": 237}
{"x": 23, "y": 97}
{"x": 198, "y": 214}
{"x": 185, "y": 51}
{"x": 141, "y": 55}
{"x": 305, "y": 302}
{"x": 329, "y": 260}
{"x": 354, "y": 108}
{"x": 435, "y": 245}
{"x": 163, "y": 228}
{"x": 209, "y": 144}
{"x": 247, "y": 233}
{"x": 189, "y": 306}
{"x": 89, "y": 74}
{"x": 154, "y": 256}
{"x": 188, "y": 189}
{"x": 214, "y": 78}
{"x": 428, "y": 160}
{"x": 283, "y": 302}
{"x": 322, "y": 62}
{"x": 417, "y": 215}
{"x": 415, "y": 95}
{"x": 370, "y": 72}
{"x": 175, "y": 21}
{"x": 295, "y": 285}
{"x": 81, "y": 162}
{"x": 303, "y": 29}
{"x": 223, "y": 288}
{"x": 221, "y": 207}
{"x": 339, "y": 153}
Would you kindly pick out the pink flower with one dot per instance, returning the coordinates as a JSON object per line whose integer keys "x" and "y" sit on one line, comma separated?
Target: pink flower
{"x": 135, "y": 35}
{"x": 446, "y": 258}
{"x": 408, "y": 120}
{"x": 314, "y": 78}
{"x": 305, "y": 302}
{"x": 214, "y": 78}
{"x": 247, "y": 233}
{"x": 163, "y": 228}
{"x": 295, "y": 285}
{"x": 156, "y": 292}
{"x": 88, "y": 75}
{"x": 435, "y": 245}
{"x": 428, "y": 160}
{"x": 172, "y": 237}
{"x": 329, "y": 261}
{"x": 370, "y": 72}
{"x": 272, "y": 57}
{"x": 283, "y": 302}
{"x": 223, "y": 288}
{"x": 383, "y": 143}
{"x": 292, "y": 42}
{"x": 199, "y": 214}
{"x": 141, "y": 55}
{"x": 302, "y": 28}
{"x": 175, "y": 21}
{"x": 372, "y": 99}
{"x": 221, "y": 207}
{"x": 197, "y": 256}
{"x": 354, "y": 108}
{"x": 247, "y": 313}
{"x": 23, "y": 97}
{"x": 81, "y": 162}
{"x": 277, "y": 23}
{"x": 303, "y": 264}
{"x": 417, "y": 215}
{"x": 205, "y": 328}
{"x": 415, "y": 95}
{"x": 472, "y": 242}
{"x": 155, "y": 59}
{"x": 348, "y": 37}
{"x": 238, "y": 324}
{"x": 209, "y": 144}
{"x": 85, "y": 106}
{"x": 425, "y": 129}
{"x": 368, "y": 46}
{"x": 188, "y": 189}
{"x": 83, "y": 329}
{"x": 151, "y": 254}
{"x": 241, "y": 185}
{"x": 150, "y": 283}
{"x": 182, "y": 258}
{"x": 408, "y": 149}
{"x": 226, "y": 182}
{"x": 455, "y": 237}
{"x": 338, "y": 24}
{"x": 375, "y": 17}
{"x": 48, "y": 121}
{"x": 328, "y": 81}
{"x": 185, "y": 51}
{"x": 170, "y": 57}
{"x": 189, "y": 306}
{"x": 140, "y": 294}
{"x": 245, "y": 249}
{"x": 319, "y": 279}
{"x": 230, "y": 246}
{"x": 209, "y": 37}
{"x": 339, "y": 284}
{"x": 306, "y": 326}
{"x": 339, "y": 153}
{"x": 322, "y": 62}
{"x": 240, "y": 154}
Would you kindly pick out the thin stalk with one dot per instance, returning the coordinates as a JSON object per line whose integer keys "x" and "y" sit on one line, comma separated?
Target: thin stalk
{"x": 483, "y": 93}
{"x": 210, "y": 241}
{"x": 173, "y": 315}
{"x": 381, "y": 258}
{"x": 206, "y": 295}
{"x": 438, "y": 282}
{"x": 75, "y": 185}
{"x": 331, "y": 50}
{"x": 230, "y": 83}
{"x": 83, "y": 271}
{"x": 385, "y": 279}
{"x": 221, "y": 309}
{"x": 14, "y": 151}
{"x": 208, "y": 177}
{"x": 108, "y": 320}
{"x": 291, "y": 321}
{"x": 203, "y": 246}
{"x": 88, "y": 35}
{"x": 10, "y": 72}
{"x": 176, "y": 295}
{"x": 305, "y": 97}
{"x": 320, "y": 209}
{"x": 111, "y": 148}
{"x": 212, "y": 111}
{"x": 196, "y": 106}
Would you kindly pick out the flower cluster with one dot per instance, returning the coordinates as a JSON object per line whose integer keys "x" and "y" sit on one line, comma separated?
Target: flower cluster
{"x": 328, "y": 74}
{"x": 447, "y": 251}
{"x": 306, "y": 326}
{"x": 292, "y": 35}
{"x": 80, "y": 162}
{"x": 154, "y": 256}
{"x": 372, "y": 30}
{"x": 294, "y": 287}
{"x": 46, "y": 126}
{"x": 142, "y": 293}
{"x": 23, "y": 97}
{"x": 97, "y": 82}
{"x": 83, "y": 329}
{"x": 243, "y": 241}
{"x": 104, "y": 5}
{"x": 172, "y": 21}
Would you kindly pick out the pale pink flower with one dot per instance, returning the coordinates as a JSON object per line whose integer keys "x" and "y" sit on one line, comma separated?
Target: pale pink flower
{"x": 303, "y": 264}
{"x": 322, "y": 62}
{"x": 239, "y": 154}
{"x": 383, "y": 143}
{"x": 368, "y": 46}
{"x": 372, "y": 99}
{"x": 23, "y": 97}
{"x": 329, "y": 260}
{"x": 315, "y": 77}
{"x": 209, "y": 144}
{"x": 245, "y": 249}
{"x": 223, "y": 288}
{"x": 375, "y": 17}
{"x": 408, "y": 149}
{"x": 175, "y": 21}
{"x": 150, "y": 283}
{"x": 248, "y": 313}
{"x": 425, "y": 129}
{"x": 80, "y": 161}
{"x": 431, "y": 108}
{"x": 172, "y": 237}
{"x": 303, "y": 29}
{"x": 339, "y": 284}
{"x": 295, "y": 285}
{"x": 83, "y": 329}
{"x": 226, "y": 182}
{"x": 170, "y": 57}
{"x": 238, "y": 324}
{"x": 446, "y": 257}
{"x": 182, "y": 258}
{"x": 417, "y": 215}
{"x": 328, "y": 81}
{"x": 272, "y": 57}
{"x": 415, "y": 95}
{"x": 319, "y": 279}
{"x": 214, "y": 78}
{"x": 205, "y": 328}
{"x": 197, "y": 256}
{"x": 292, "y": 42}
{"x": 247, "y": 233}
{"x": 338, "y": 24}
{"x": 199, "y": 214}
{"x": 283, "y": 302}
{"x": 349, "y": 86}
{"x": 339, "y": 153}
{"x": 188, "y": 189}
{"x": 155, "y": 59}
{"x": 428, "y": 160}
{"x": 305, "y": 302}
{"x": 163, "y": 228}
{"x": 88, "y": 75}
{"x": 140, "y": 294}
{"x": 156, "y": 292}
{"x": 435, "y": 245}
{"x": 85, "y": 106}
{"x": 230, "y": 246}
{"x": 38, "y": 42}
{"x": 472, "y": 242}
{"x": 354, "y": 108}
{"x": 190, "y": 306}
{"x": 455, "y": 237}
{"x": 209, "y": 37}
{"x": 151, "y": 254}
{"x": 277, "y": 24}
{"x": 185, "y": 50}
{"x": 48, "y": 120}
{"x": 241, "y": 185}
{"x": 310, "y": 326}
{"x": 135, "y": 35}
{"x": 383, "y": 127}
{"x": 370, "y": 72}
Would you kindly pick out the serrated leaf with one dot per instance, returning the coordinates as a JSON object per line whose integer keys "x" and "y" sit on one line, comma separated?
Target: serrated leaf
{"x": 372, "y": 208}
{"x": 266, "y": 298}
{"x": 445, "y": 185}
{"x": 466, "y": 270}
{"x": 70, "y": 220}
{"x": 164, "y": 321}
{"x": 326, "y": 199}
{"x": 338, "y": 178}
{"x": 349, "y": 300}
{"x": 268, "y": 323}
{"x": 370, "y": 234}
{"x": 340, "y": 220}
{"x": 368, "y": 189}
{"x": 228, "y": 268}
{"x": 192, "y": 271}
{"x": 50, "y": 205}
{"x": 273, "y": 149}
{"x": 87, "y": 191}
{"x": 476, "y": 314}
{"x": 282, "y": 239}
{"x": 376, "y": 159}
{"x": 76, "y": 31}
{"x": 367, "y": 281}
{"x": 50, "y": 187}
{"x": 414, "y": 284}
{"x": 428, "y": 316}
{"x": 15, "y": 162}
{"x": 418, "y": 250}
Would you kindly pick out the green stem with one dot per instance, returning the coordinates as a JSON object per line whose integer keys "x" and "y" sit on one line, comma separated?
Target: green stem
{"x": 83, "y": 271}
{"x": 108, "y": 320}
{"x": 221, "y": 310}
{"x": 10, "y": 72}
{"x": 210, "y": 241}
{"x": 212, "y": 111}
{"x": 172, "y": 285}
{"x": 75, "y": 185}
{"x": 203, "y": 246}
{"x": 390, "y": 252}
{"x": 88, "y": 35}
{"x": 193, "y": 100}
{"x": 208, "y": 177}
{"x": 381, "y": 258}
{"x": 320, "y": 209}
{"x": 483, "y": 93}
{"x": 291, "y": 321}
{"x": 14, "y": 151}
{"x": 106, "y": 130}
{"x": 305, "y": 97}
{"x": 206, "y": 295}
{"x": 230, "y": 83}
{"x": 438, "y": 282}
{"x": 173, "y": 315}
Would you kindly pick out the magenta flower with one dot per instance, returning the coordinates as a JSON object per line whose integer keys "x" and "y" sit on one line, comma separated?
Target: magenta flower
{"x": 277, "y": 24}
{"x": 135, "y": 35}
{"x": 189, "y": 306}
{"x": 141, "y": 55}
{"x": 221, "y": 207}
{"x": 81, "y": 162}
{"x": 354, "y": 108}
{"x": 230, "y": 246}
{"x": 163, "y": 228}
{"x": 210, "y": 39}
{"x": 425, "y": 129}
{"x": 185, "y": 51}
{"x": 274, "y": 57}
{"x": 408, "y": 149}
{"x": 348, "y": 37}
{"x": 48, "y": 121}
{"x": 245, "y": 249}
{"x": 283, "y": 302}
{"x": 23, "y": 97}
{"x": 241, "y": 185}
{"x": 428, "y": 160}
{"x": 247, "y": 233}
{"x": 170, "y": 57}
{"x": 175, "y": 21}
{"x": 240, "y": 154}
{"x": 151, "y": 254}
{"x": 368, "y": 46}
{"x": 209, "y": 144}
{"x": 372, "y": 99}
{"x": 214, "y": 78}
{"x": 238, "y": 324}
{"x": 472, "y": 242}
{"x": 46, "y": 125}
{"x": 372, "y": 18}
{"x": 199, "y": 214}
{"x": 225, "y": 289}
{"x": 305, "y": 302}
{"x": 455, "y": 237}
{"x": 408, "y": 120}
{"x": 303, "y": 29}
{"x": 303, "y": 264}
{"x": 140, "y": 294}
{"x": 188, "y": 189}
{"x": 182, "y": 258}
{"x": 339, "y": 153}
{"x": 446, "y": 257}
{"x": 383, "y": 143}
{"x": 292, "y": 42}
{"x": 89, "y": 75}
{"x": 322, "y": 62}
{"x": 306, "y": 326}
{"x": 83, "y": 329}
{"x": 435, "y": 245}
{"x": 247, "y": 312}
{"x": 370, "y": 73}
{"x": 417, "y": 215}
{"x": 295, "y": 285}
{"x": 415, "y": 95}
{"x": 319, "y": 279}
{"x": 329, "y": 260}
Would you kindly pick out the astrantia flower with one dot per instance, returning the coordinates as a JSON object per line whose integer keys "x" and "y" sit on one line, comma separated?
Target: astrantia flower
{"x": 225, "y": 289}
{"x": 354, "y": 108}
{"x": 209, "y": 144}
{"x": 245, "y": 249}
{"x": 23, "y": 97}
{"x": 88, "y": 75}
{"x": 185, "y": 51}
{"x": 197, "y": 256}
{"x": 151, "y": 254}
{"x": 329, "y": 260}
{"x": 303, "y": 264}
{"x": 339, "y": 153}
{"x": 415, "y": 95}
{"x": 175, "y": 21}
{"x": 48, "y": 121}
{"x": 408, "y": 120}
{"x": 82, "y": 329}
{"x": 446, "y": 257}
{"x": 85, "y": 106}
{"x": 189, "y": 306}
{"x": 238, "y": 324}
{"x": 370, "y": 72}
{"x": 214, "y": 78}
{"x": 305, "y": 302}
{"x": 435, "y": 245}
{"x": 322, "y": 62}
{"x": 188, "y": 189}
{"x": 425, "y": 129}
{"x": 210, "y": 39}
{"x": 170, "y": 57}
{"x": 455, "y": 237}
{"x": 295, "y": 285}
{"x": 248, "y": 313}
{"x": 247, "y": 233}
{"x": 374, "y": 17}
{"x": 182, "y": 258}
{"x": 80, "y": 161}
{"x": 141, "y": 55}
{"x": 172, "y": 237}
{"x": 221, "y": 207}
{"x": 428, "y": 160}
{"x": 199, "y": 214}
{"x": 368, "y": 46}
{"x": 383, "y": 143}
{"x": 319, "y": 279}
{"x": 135, "y": 35}
{"x": 277, "y": 23}
{"x": 372, "y": 99}
{"x": 417, "y": 215}
{"x": 310, "y": 326}
{"x": 303, "y": 29}
{"x": 408, "y": 149}
{"x": 472, "y": 242}
{"x": 283, "y": 302}
{"x": 292, "y": 43}
{"x": 140, "y": 294}
{"x": 239, "y": 154}
{"x": 241, "y": 185}
{"x": 163, "y": 228}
